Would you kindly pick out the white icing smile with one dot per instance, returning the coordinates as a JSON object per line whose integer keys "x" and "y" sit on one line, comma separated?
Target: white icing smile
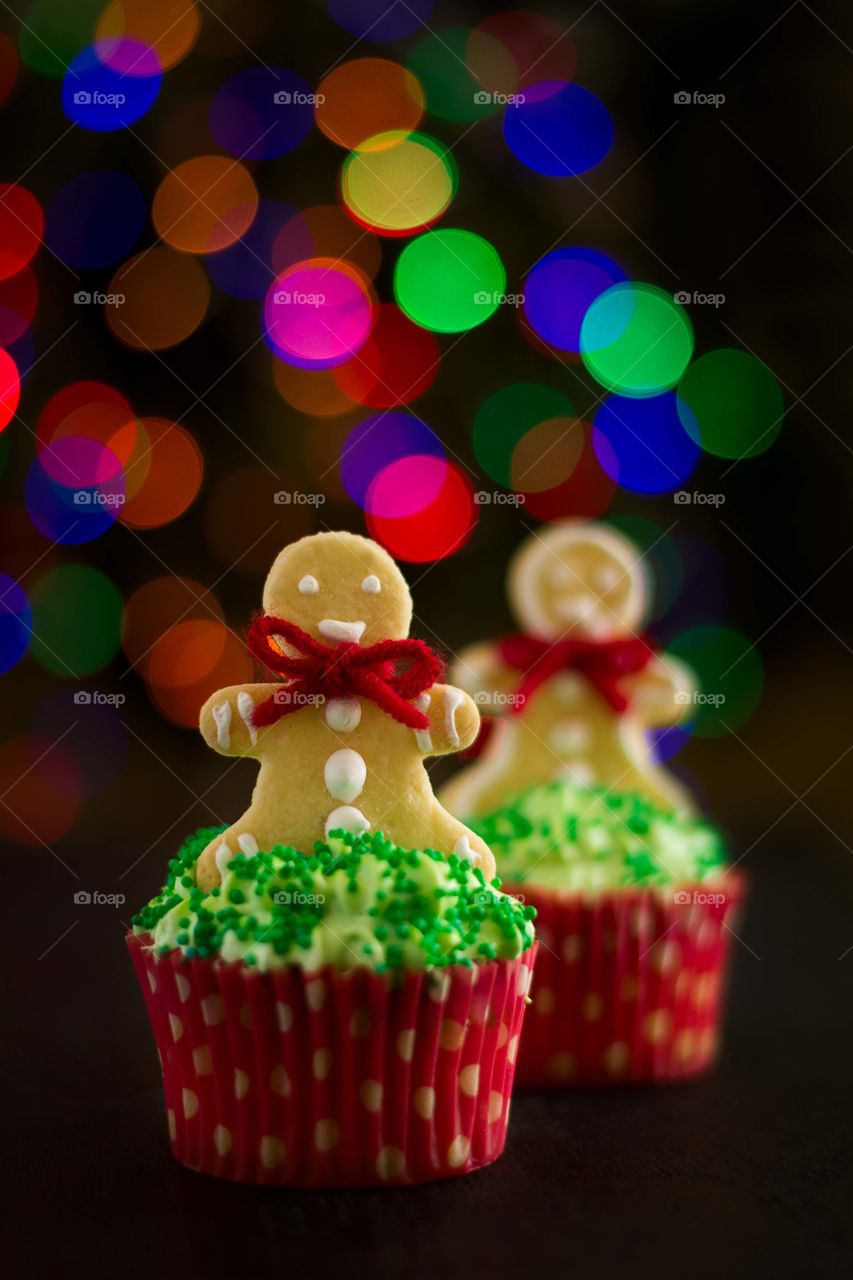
{"x": 334, "y": 629}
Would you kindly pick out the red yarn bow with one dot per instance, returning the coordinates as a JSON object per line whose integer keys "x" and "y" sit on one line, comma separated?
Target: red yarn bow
{"x": 604, "y": 663}
{"x": 389, "y": 673}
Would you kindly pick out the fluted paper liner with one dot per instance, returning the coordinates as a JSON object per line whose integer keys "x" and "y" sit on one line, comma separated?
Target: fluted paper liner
{"x": 629, "y": 986}
{"x": 333, "y": 1079}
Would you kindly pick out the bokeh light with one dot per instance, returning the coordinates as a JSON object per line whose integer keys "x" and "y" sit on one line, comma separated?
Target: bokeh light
{"x": 18, "y": 302}
{"x": 397, "y": 363}
{"x": 318, "y": 313}
{"x": 246, "y": 268}
{"x": 377, "y": 442}
{"x": 398, "y": 183}
{"x": 159, "y": 605}
{"x": 452, "y": 92}
{"x": 558, "y": 129}
{"x": 510, "y": 50}
{"x": 205, "y": 204}
{"x": 207, "y": 656}
{"x": 15, "y": 623}
{"x": 262, "y": 113}
{"x": 378, "y": 20}
{"x": 561, "y": 288}
{"x": 70, "y": 503}
{"x": 166, "y": 294}
{"x": 173, "y": 470}
{"x": 586, "y": 493}
{"x": 104, "y": 98}
{"x": 547, "y": 454}
{"x": 325, "y": 231}
{"x": 636, "y": 340}
{"x": 40, "y": 786}
{"x": 440, "y": 526}
{"x": 76, "y": 620}
{"x": 312, "y": 391}
{"x": 95, "y": 219}
{"x": 660, "y": 552}
{"x": 21, "y": 228}
{"x": 642, "y": 444}
{"x": 169, "y": 27}
{"x": 449, "y": 280}
{"x": 90, "y": 409}
{"x": 250, "y": 543}
{"x": 506, "y": 417}
{"x": 367, "y": 96}
{"x": 53, "y": 33}
{"x": 730, "y": 676}
{"x": 10, "y": 389}
{"x": 731, "y": 404}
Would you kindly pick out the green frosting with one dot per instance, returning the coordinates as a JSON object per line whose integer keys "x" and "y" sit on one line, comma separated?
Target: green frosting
{"x": 588, "y": 839}
{"x": 356, "y": 900}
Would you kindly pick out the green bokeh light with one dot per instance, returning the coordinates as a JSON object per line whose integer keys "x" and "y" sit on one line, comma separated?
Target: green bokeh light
{"x": 449, "y": 280}
{"x": 76, "y": 620}
{"x": 55, "y": 32}
{"x": 452, "y": 93}
{"x": 730, "y": 676}
{"x": 506, "y": 417}
{"x": 731, "y": 404}
{"x": 636, "y": 340}
{"x": 661, "y": 557}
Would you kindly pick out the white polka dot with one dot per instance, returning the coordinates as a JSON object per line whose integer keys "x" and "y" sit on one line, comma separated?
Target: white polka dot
{"x": 439, "y": 986}
{"x": 451, "y": 1034}
{"x": 241, "y": 1083}
{"x": 657, "y": 1025}
{"x": 315, "y": 994}
{"x": 184, "y": 987}
{"x": 280, "y": 1081}
{"x": 173, "y": 1127}
{"x": 222, "y": 1139}
{"x": 406, "y": 1045}
{"x": 370, "y": 1093}
{"x": 202, "y": 1060}
{"x": 284, "y": 1014}
{"x": 496, "y": 1106}
{"x": 522, "y": 980}
{"x": 572, "y": 948}
{"x": 152, "y": 980}
{"x": 390, "y": 1163}
{"x": 458, "y": 1151}
{"x": 212, "y": 1010}
{"x": 503, "y": 1032}
{"x": 359, "y": 1024}
{"x": 326, "y": 1134}
{"x": 271, "y": 1151}
{"x": 512, "y": 1048}
{"x": 469, "y": 1080}
{"x": 177, "y": 1027}
{"x": 423, "y": 1100}
{"x": 189, "y": 1100}
{"x": 322, "y": 1063}
{"x": 616, "y": 1058}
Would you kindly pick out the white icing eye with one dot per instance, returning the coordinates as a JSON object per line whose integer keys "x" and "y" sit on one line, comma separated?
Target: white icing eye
{"x": 371, "y": 585}
{"x": 308, "y": 586}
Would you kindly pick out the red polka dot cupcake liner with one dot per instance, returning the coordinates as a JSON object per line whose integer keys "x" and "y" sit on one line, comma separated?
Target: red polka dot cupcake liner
{"x": 333, "y": 1079}
{"x": 629, "y": 986}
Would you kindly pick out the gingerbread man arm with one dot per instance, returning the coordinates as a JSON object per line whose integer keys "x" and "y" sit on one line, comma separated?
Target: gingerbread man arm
{"x": 479, "y": 670}
{"x": 453, "y": 720}
{"x": 662, "y": 693}
{"x": 225, "y": 719}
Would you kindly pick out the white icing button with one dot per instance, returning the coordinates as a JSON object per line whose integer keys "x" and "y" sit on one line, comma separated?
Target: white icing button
{"x": 345, "y": 774}
{"x": 223, "y": 857}
{"x": 246, "y": 707}
{"x": 248, "y": 844}
{"x": 334, "y": 629}
{"x": 308, "y": 586}
{"x": 422, "y": 736}
{"x": 579, "y": 771}
{"x": 222, "y": 720}
{"x": 346, "y": 818}
{"x": 343, "y": 714}
{"x": 453, "y": 701}
{"x": 463, "y": 849}
{"x": 371, "y": 584}
{"x": 568, "y": 736}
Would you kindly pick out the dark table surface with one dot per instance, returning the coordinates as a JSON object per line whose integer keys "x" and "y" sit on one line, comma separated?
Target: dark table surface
{"x": 747, "y": 1172}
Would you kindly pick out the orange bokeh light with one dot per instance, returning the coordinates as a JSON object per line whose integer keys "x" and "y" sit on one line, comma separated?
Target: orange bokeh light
{"x": 173, "y": 470}
{"x": 205, "y": 204}
{"x": 166, "y": 295}
{"x": 366, "y": 96}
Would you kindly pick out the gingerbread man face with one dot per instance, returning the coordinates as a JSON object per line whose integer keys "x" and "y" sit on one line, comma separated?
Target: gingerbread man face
{"x": 339, "y": 587}
{"x": 339, "y": 759}
{"x": 579, "y": 579}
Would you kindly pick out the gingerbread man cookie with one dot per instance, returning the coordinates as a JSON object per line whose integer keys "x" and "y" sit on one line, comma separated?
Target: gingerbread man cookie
{"x": 574, "y": 695}
{"x": 341, "y": 742}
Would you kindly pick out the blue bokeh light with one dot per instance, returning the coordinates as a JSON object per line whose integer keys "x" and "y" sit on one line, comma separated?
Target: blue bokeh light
{"x": 558, "y": 129}
{"x": 642, "y": 444}
{"x": 262, "y": 113}
{"x": 246, "y": 269}
{"x": 16, "y": 623}
{"x": 96, "y": 219}
{"x": 380, "y": 20}
{"x": 560, "y": 289}
{"x": 378, "y": 441}
{"x": 103, "y": 98}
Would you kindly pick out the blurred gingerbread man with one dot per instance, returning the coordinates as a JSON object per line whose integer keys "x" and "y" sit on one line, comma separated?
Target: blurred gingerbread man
{"x": 342, "y": 740}
{"x": 573, "y": 696}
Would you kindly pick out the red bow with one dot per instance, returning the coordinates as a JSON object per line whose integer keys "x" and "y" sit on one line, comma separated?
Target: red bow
{"x": 603, "y": 662}
{"x": 339, "y": 670}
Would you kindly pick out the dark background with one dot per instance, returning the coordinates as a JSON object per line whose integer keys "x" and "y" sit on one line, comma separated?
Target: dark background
{"x": 748, "y": 1172}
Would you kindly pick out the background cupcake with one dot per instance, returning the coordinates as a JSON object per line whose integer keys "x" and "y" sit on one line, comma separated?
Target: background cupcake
{"x": 634, "y": 909}
{"x": 345, "y": 1018}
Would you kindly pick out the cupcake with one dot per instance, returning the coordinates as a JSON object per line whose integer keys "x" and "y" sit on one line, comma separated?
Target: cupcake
{"x": 634, "y": 908}
{"x": 342, "y": 1018}
{"x": 335, "y": 981}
